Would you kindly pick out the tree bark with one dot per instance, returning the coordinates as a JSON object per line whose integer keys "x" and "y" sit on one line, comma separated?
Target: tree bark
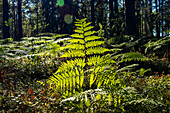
{"x": 37, "y": 16}
{"x": 111, "y": 16}
{"x": 162, "y": 19}
{"x": 116, "y": 7}
{"x": 5, "y": 19}
{"x": 92, "y": 12}
{"x": 157, "y": 24}
{"x": 19, "y": 20}
{"x": 130, "y": 17}
{"x": 150, "y": 18}
{"x": 138, "y": 23}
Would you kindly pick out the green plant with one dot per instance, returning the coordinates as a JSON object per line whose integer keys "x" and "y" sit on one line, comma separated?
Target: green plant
{"x": 86, "y": 60}
{"x": 154, "y": 46}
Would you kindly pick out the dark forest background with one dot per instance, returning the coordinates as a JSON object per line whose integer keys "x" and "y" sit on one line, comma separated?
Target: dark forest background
{"x": 22, "y": 18}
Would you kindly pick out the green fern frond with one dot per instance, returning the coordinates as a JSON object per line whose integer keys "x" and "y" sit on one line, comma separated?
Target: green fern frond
{"x": 71, "y": 73}
{"x": 94, "y": 43}
{"x": 81, "y": 41}
{"x": 74, "y": 53}
{"x": 96, "y": 50}
{"x": 89, "y": 33}
{"x": 79, "y": 31}
{"x": 88, "y": 28}
{"x": 77, "y": 35}
{"x": 157, "y": 44}
{"x": 75, "y": 46}
{"x": 89, "y": 38}
{"x": 133, "y": 56}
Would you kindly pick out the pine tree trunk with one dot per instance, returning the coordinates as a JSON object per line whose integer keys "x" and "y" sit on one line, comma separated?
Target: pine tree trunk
{"x": 37, "y": 16}
{"x": 116, "y": 8}
{"x": 150, "y": 18}
{"x": 162, "y": 19}
{"x": 19, "y": 21}
{"x": 157, "y": 25}
{"x": 130, "y": 17}
{"x": 116, "y": 15}
{"x": 111, "y": 16}
{"x": 138, "y": 19}
{"x": 5, "y": 19}
{"x": 92, "y": 12}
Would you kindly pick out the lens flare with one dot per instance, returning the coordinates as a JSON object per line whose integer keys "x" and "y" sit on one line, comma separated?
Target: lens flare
{"x": 60, "y": 2}
{"x": 68, "y": 18}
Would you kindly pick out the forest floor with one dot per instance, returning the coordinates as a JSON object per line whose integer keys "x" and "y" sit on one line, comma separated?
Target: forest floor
{"x": 25, "y": 68}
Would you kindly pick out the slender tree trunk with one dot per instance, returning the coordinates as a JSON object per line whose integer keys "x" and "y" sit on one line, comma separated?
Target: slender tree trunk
{"x": 159, "y": 23}
{"x": 159, "y": 19}
{"x": 130, "y": 17}
{"x": 138, "y": 18}
{"x": 105, "y": 18}
{"x": 111, "y": 16}
{"x": 85, "y": 8}
{"x": 123, "y": 6}
{"x": 116, "y": 7}
{"x": 14, "y": 20}
{"x": 157, "y": 27}
{"x": 37, "y": 16}
{"x": 19, "y": 20}
{"x": 167, "y": 17}
{"x": 146, "y": 18}
{"x": 82, "y": 9}
{"x": 142, "y": 20}
{"x": 92, "y": 12}
{"x": 150, "y": 18}
{"x": 100, "y": 6}
{"x": 5, "y": 19}
{"x": 52, "y": 16}
{"x": 116, "y": 15}
{"x": 162, "y": 19}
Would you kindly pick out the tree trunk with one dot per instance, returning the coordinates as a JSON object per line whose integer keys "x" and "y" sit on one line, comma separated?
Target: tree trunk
{"x": 92, "y": 12}
{"x": 111, "y": 16}
{"x": 130, "y": 17}
{"x": 5, "y": 19}
{"x": 157, "y": 27}
{"x": 37, "y": 15}
{"x": 14, "y": 20}
{"x": 116, "y": 16}
{"x": 52, "y": 16}
{"x": 146, "y": 18}
{"x": 150, "y": 18}
{"x": 116, "y": 7}
{"x": 159, "y": 20}
{"x": 138, "y": 23}
{"x": 162, "y": 19}
{"x": 19, "y": 20}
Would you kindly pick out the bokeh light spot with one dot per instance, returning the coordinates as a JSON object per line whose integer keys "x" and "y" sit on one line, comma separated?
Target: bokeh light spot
{"x": 68, "y": 18}
{"x": 60, "y": 2}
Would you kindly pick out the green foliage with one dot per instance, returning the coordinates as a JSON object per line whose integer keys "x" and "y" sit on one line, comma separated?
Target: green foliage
{"x": 30, "y": 46}
{"x": 86, "y": 46}
{"x": 157, "y": 44}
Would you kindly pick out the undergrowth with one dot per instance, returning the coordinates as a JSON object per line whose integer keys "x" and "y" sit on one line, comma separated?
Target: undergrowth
{"x": 78, "y": 74}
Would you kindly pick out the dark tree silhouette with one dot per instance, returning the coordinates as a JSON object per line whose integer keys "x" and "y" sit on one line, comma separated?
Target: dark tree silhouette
{"x": 5, "y": 19}
{"x": 19, "y": 21}
{"x": 130, "y": 17}
{"x": 111, "y": 16}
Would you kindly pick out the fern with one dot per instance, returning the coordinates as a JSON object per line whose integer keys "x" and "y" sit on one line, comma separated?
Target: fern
{"x": 84, "y": 50}
{"x": 157, "y": 44}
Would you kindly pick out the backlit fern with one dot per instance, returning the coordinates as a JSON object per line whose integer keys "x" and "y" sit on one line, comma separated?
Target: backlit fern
{"x": 84, "y": 50}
